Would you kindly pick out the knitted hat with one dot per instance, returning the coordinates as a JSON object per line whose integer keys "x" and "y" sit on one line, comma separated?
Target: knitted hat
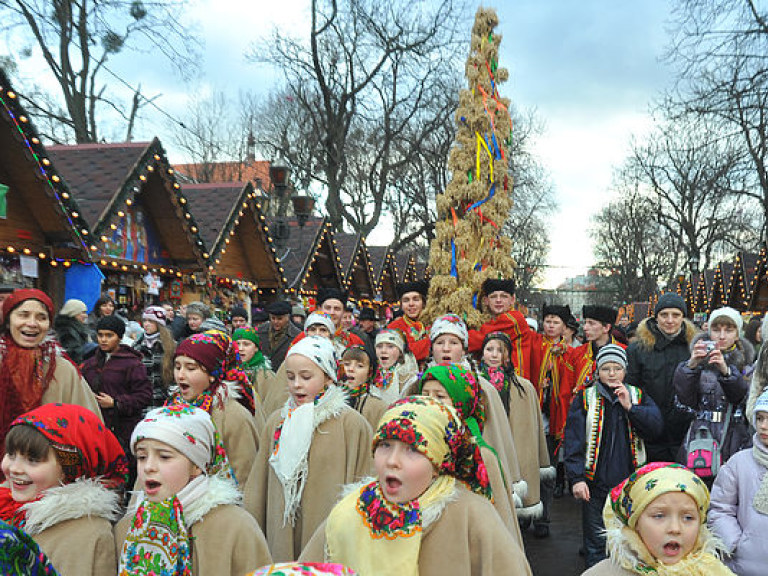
{"x": 450, "y": 324}
{"x": 154, "y": 313}
{"x": 331, "y": 294}
{"x": 23, "y": 294}
{"x": 112, "y": 323}
{"x": 73, "y": 307}
{"x": 562, "y": 312}
{"x": 320, "y": 318}
{"x": 298, "y": 310}
{"x": 604, "y": 314}
{"x": 184, "y": 428}
{"x": 392, "y": 336}
{"x": 247, "y": 333}
{"x": 729, "y": 313}
{"x": 420, "y": 286}
{"x": 199, "y": 308}
{"x": 611, "y": 353}
{"x": 279, "y": 308}
{"x": 761, "y": 404}
{"x": 670, "y": 300}
{"x": 503, "y": 336}
{"x": 320, "y": 350}
{"x": 238, "y": 312}
{"x": 492, "y": 285}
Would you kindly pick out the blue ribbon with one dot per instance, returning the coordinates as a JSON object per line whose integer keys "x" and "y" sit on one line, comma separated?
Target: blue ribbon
{"x": 484, "y": 200}
{"x": 454, "y": 268}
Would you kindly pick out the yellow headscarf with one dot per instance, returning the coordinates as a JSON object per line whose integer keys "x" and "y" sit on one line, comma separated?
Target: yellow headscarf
{"x": 626, "y": 504}
{"x": 367, "y": 532}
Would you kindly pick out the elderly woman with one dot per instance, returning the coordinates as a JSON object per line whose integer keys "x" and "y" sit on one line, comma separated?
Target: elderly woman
{"x": 33, "y": 368}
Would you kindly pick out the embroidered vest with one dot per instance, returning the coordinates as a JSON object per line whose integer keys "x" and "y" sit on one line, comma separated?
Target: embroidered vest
{"x": 594, "y": 406}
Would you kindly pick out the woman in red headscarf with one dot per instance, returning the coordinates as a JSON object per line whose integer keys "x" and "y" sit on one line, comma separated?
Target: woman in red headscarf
{"x": 34, "y": 369}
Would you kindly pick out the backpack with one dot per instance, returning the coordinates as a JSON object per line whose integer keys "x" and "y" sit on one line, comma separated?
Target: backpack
{"x": 704, "y": 454}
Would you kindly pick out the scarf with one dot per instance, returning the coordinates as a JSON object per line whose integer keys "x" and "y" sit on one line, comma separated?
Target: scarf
{"x": 151, "y": 339}
{"x": 158, "y": 540}
{"x": 23, "y": 381}
{"x": 372, "y": 535}
{"x": 628, "y": 500}
{"x": 258, "y": 360}
{"x": 10, "y": 510}
{"x": 497, "y": 377}
{"x": 303, "y": 569}
{"x": 760, "y": 454}
{"x": 293, "y": 440}
{"x": 386, "y": 384}
{"x": 20, "y": 555}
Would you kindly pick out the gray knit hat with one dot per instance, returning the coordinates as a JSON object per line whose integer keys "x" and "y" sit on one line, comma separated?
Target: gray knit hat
{"x": 611, "y": 353}
{"x": 199, "y": 308}
{"x": 670, "y": 300}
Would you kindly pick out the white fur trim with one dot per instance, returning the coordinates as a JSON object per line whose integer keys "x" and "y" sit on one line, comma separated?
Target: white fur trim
{"x": 83, "y": 497}
{"x": 530, "y": 512}
{"x": 517, "y": 501}
{"x": 548, "y": 473}
{"x": 520, "y": 488}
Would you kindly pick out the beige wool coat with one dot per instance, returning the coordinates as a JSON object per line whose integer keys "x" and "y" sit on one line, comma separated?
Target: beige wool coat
{"x": 527, "y": 427}
{"x": 340, "y": 454}
{"x": 275, "y": 392}
{"x": 607, "y": 568}
{"x": 372, "y": 409}
{"x": 225, "y": 539}
{"x": 72, "y": 524}
{"x": 468, "y": 538}
{"x": 68, "y": 387}
{"x": 239, "y": 435}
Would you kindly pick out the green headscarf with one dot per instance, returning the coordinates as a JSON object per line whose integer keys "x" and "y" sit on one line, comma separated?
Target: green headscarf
{"x": 258, "y": 360}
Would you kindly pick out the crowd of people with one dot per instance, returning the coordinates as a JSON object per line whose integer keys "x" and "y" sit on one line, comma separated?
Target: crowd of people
{"x": 277, "y": 441}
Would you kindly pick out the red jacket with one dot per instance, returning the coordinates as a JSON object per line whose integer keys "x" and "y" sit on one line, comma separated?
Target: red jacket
{"x": 346, "y": 338}
{"x": 417, "y": 335}
{"x": 513, "y": 324}
{"x": 583, "y": 361}
{"x": 550, "y": 365}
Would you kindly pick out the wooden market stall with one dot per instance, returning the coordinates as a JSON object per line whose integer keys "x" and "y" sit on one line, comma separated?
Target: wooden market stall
{"x": 147, "y": 242}
{"x": 385, "y": 276}
{"x": 743, "y": 270}
{"x": 42, "y": 230}
{"x": 241, "y": 255}
{"x": 359, "y": 278}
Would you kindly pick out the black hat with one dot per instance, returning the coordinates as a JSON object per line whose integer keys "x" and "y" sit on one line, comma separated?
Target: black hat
{"x": 238, "y": 312}
{"x": 331, "y": 294}
{"x": 562, "y": 312}
{"x": 368, "y": 314}
{"x": 670, "y": 300}
{"x": 420, "y": 286}
{"x": 572, "y": 323}
{"x": 279, "y": 308}
{"x": 498, "y": 285}
{"x": 604, "y": 314}
{"x": 112, "y": 323}
{"x": 259, "y": 316}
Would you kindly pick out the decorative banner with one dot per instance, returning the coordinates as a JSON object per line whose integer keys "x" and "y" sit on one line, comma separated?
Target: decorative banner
{"x": 3, "y": 201}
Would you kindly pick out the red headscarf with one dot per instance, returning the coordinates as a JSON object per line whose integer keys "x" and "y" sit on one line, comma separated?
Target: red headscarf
{"x": 83, "y": 446}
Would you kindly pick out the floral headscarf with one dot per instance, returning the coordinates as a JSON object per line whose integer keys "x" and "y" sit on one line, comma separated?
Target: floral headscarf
{"x": 626, "y": 503}
{"x": 20, "y": 555}
{"x": 436, "y": 431}
{"x": 303, "y": 569}
{"x": 450, "y": 324}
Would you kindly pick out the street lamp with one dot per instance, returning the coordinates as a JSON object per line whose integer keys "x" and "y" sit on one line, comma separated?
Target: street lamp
{"x": 303, "y": 204}
{"x": 693, "y": 262}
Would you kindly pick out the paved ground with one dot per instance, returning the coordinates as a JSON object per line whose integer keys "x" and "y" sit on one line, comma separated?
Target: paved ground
{"x": 558, "y": 555}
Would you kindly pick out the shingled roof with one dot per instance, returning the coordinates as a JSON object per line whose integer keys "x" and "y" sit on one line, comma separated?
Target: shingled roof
{"x": 356, "y": 265}
{"x": 385, "y": 272}
{"x": 235, "y": 233}
{"x": 42, "y": 217}
{"x": 310, "y": 258}
{"x": 108, "y": 179}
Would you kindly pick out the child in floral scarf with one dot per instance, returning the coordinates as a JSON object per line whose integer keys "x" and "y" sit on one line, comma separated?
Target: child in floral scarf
{"x": 396, "y": 366}
{"x": 187, "y": 519}
{"x": 655, "y": 524}
{"x": 309, "y": 450}
{"x": 359, "y": 367}
{"x": 207, "y": 374}
{"x": 428, "y": 510}
{"x": 65, "y": 471}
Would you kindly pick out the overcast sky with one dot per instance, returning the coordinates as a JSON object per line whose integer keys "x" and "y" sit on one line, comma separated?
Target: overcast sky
{"x": 589, "y": 68}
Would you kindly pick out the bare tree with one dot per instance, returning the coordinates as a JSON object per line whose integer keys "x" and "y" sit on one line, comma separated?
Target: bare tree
{"x": 632, "y": 244}
{"x": 693, "y": 181}
{"x": 359, "y": 82}
{"x": 78, "y": 37}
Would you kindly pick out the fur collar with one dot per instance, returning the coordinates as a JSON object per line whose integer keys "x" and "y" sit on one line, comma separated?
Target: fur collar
{"x": 429, "y": 514}
{"x": 648, "y": 333}
{"x": 220, "y": 491}
{"x": 83, "y": 497}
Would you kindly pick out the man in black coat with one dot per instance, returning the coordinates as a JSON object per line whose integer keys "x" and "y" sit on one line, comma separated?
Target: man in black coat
{"x": 661, "y": 343}
{"x": 277, "y": 334}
